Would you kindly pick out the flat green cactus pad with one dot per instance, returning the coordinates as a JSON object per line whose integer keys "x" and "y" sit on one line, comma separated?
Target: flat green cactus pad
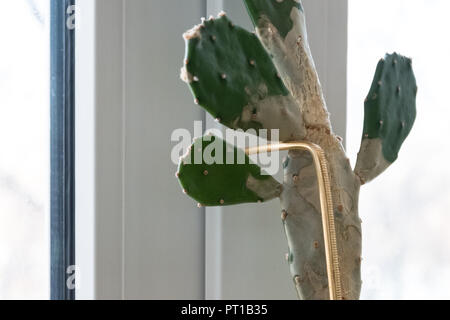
{"x": 390, "y": 107}
{"x": 213, "y": 184}
{"x": 232, "y": 76}
{"x": 278, "y": 12}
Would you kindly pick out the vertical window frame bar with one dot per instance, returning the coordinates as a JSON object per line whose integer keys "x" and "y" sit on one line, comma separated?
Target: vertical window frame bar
{"x": 62, "y": 211}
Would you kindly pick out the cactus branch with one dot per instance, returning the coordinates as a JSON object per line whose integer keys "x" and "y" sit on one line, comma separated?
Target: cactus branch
{"x": 227, "y": 178}
{"x": 234, "y": 79}
{"x": 390, "y": 112}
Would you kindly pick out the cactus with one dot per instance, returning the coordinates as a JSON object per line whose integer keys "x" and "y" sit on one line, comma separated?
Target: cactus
{"x": 269, "y": 81}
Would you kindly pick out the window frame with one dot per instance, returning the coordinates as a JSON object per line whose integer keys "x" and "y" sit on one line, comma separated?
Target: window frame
{"x": 62, "y": 207}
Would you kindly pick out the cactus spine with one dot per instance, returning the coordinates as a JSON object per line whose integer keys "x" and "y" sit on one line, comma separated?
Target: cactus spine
{"x": 269, "y": 81}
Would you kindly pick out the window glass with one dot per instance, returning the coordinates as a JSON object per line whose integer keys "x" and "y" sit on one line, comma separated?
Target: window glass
{"x": 24, "y": 149}
{"x": 405, "y": 211}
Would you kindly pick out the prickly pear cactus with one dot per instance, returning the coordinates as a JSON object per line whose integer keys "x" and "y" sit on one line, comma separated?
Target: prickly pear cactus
{"x": 269, "y": 81}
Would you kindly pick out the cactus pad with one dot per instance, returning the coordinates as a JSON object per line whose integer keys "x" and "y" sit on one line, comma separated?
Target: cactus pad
{"x": 278, "y": 12}
{"x": 221, "y": 183}
{"x": 390, "y": 112}
{"x": 232, "y": 76}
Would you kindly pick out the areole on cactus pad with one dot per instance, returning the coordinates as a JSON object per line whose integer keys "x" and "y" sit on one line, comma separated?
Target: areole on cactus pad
{"x": 269, "y": 81}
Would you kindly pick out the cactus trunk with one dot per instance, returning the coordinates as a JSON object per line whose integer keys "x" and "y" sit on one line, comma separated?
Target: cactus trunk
{"x": 302, "y": 220}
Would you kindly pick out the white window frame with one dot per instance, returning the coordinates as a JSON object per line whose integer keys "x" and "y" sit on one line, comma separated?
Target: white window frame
{"x": 99, "y": 149}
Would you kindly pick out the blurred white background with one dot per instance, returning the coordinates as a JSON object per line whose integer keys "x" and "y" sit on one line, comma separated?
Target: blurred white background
{"x": 24, "y": 149}
{"x": 405, "y": 211}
